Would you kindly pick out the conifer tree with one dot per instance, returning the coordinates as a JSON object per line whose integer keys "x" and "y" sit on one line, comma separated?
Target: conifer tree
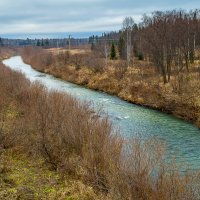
{"x": 42, "y": 44}
{"x": 38, "y": 43}
{"x": 113, "y": 52}
{"x": 46, "y": 42}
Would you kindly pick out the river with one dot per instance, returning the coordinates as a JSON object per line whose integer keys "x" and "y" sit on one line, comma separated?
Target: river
{"x": 182, "y": 138}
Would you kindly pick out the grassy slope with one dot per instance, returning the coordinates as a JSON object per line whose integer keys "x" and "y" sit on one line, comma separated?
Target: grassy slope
{"x": 22, "y": 177}
{"x": 25, "y": 177}
{"x": 28, "y": 177}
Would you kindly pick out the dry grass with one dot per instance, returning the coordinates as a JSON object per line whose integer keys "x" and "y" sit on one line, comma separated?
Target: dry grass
{"x": 78, "y": 51}
{"x": 6, "y": 52}
{"x": 24, "y": 178}
{"x": 76, "y": 143}
{"x": 65, "y": 133}
{"x": 138, "y": 84}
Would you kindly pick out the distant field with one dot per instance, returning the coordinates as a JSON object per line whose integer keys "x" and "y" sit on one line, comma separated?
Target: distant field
{"x": 74, "y": 51}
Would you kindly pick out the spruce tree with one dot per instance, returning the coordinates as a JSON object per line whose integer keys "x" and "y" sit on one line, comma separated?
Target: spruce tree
{"x": 46, "y": 42}
{"x": 42, "y": 44}
{"x": 1, "y": 42}
{"x": 38, "y": 43}
{"x": 113, "y": 52}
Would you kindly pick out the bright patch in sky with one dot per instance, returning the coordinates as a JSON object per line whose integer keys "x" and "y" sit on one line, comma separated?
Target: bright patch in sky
{"x": 47, "y": 16}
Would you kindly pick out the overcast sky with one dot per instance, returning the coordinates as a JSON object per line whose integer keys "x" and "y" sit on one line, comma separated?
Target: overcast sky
{"x": 46, "y": 16}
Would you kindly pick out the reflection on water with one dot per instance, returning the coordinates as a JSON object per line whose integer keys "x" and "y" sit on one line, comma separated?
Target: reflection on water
{"x": 180, "y": 136}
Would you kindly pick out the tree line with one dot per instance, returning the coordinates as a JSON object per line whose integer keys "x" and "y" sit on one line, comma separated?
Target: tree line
{"x": 168, "y": 39}
{"x": 43, "y": 42}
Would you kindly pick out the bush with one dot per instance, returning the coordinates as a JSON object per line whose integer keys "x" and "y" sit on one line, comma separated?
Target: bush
{"x": 75, "y": 141}
{"x": 120, "y": 69}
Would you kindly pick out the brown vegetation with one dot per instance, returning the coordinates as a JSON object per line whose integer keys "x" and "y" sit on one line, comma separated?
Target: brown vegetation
{"x": 6, "y": 52}
{"x": 80, "y": 50}
{"x": 80, "y": 145}
{"x": 138, "y": 83}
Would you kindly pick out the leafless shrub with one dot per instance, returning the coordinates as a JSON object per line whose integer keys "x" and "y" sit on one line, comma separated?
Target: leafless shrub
{"x": 143, "y": 174}
{"x": 76, "y": 61}
{"x": 38, "y": 57}
{"x": 94, "y": 63}
{"x": 73, "y": 141}
{"x": 120, "y": 69}
{"x": 63, "y": 57}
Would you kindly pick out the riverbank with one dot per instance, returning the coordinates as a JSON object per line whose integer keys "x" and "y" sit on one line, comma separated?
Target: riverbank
{"x": 7, "y": 52}
{"x": 32, "y": 145}
{"x": 74, "y": 144}
{"x": 138, "y": 84}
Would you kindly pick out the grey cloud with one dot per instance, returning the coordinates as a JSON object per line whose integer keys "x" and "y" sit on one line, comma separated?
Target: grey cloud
{"x": 77, "y": 15}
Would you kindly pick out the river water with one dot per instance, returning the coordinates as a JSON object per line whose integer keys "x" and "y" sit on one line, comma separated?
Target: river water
{"x": 182, "y": 138}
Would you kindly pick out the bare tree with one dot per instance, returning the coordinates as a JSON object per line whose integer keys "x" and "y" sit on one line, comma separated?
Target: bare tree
{"x": 128, "y": 24}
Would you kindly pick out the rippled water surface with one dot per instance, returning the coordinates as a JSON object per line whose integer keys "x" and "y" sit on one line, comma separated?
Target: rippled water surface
{"x": 180, "y": 136}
